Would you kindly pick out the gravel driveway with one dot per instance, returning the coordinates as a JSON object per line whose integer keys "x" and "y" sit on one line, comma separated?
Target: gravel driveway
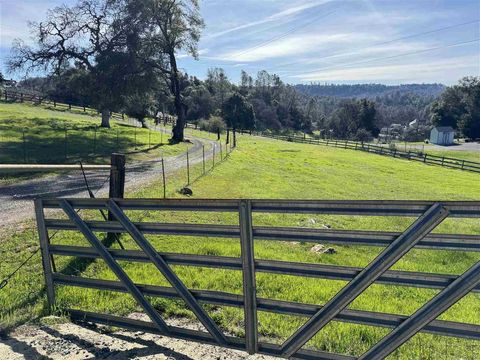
{"x": 16, "y": 200}
{"x": 69, "y": 341}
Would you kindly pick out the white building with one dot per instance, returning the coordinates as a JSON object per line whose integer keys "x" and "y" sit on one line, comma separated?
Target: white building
{"x": 442, "y": 135}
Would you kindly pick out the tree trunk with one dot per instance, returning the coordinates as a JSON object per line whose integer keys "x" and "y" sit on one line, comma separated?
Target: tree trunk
{"x": 234, "y": 138}
{"x": 178, "y": 129}
{"x": 228, "y": 136}
{"x": 105, "y": 118}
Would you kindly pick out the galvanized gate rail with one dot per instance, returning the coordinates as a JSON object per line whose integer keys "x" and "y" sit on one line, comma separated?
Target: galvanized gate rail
{"x": 419, "y": 234}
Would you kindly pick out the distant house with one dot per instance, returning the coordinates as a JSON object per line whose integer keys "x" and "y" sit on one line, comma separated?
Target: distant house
{"x": 442, "y": 135}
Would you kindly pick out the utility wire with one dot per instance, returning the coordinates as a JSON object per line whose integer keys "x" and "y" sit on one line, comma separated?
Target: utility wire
{"x": 389, "y": 41}
{"x": 392, "y": 57}
{"x": 285, "y": 34}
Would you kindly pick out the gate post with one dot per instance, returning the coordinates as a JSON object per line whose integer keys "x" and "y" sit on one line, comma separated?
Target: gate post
{"x": 44, "y": 247}
{"x": 117, "y": 183}
{"x": 249, "y": 283}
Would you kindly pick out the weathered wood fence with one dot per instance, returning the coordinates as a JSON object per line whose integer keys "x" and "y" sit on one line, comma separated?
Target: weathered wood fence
{"x": 386, "y": 151}
{"x": 419, "y": 234}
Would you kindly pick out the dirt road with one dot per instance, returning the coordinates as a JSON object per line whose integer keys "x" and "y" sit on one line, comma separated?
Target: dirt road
{"x": 67, "y": 341}
{"x": 16, "y": 200}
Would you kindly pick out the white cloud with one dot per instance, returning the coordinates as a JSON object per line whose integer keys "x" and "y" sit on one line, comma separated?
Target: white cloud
{"x": 272, "y": 18}
{"x": 294, "y": 45}
{"x": 426, "y": 71}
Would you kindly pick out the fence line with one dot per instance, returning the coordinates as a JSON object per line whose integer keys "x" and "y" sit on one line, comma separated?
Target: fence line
{"x": 444, "y": 161}
{"x": 429, "y": 213}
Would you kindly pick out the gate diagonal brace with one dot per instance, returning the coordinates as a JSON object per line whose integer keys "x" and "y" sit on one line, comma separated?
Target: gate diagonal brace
{"x": 426, "y": 314}
{"x": 394, "y": 252}
{"x": 166, "y": 271}
{"x": 113, "y": 265}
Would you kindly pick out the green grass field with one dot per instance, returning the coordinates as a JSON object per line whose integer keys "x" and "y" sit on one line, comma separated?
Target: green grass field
{"x": 36, "y": 134}
{"x": 264, "y": 168}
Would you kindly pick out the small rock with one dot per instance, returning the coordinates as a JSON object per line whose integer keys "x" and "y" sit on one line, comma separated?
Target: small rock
{"x": 312, "y": 221}
{"x": 321, "y": 249}
{"x": 327, "y": 226}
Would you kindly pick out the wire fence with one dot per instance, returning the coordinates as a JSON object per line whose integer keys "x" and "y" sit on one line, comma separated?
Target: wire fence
{"x": 418, "y": 155}
{"x": 54, "y": 144}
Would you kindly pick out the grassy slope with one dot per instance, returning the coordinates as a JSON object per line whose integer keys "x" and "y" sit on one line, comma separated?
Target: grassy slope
{"x": 45, "y": 136}
{"x": 262, "y": 168}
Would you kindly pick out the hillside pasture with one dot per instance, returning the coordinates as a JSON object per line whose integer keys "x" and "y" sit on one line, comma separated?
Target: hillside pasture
{"x": 263, "y": 168}
{"x": 34, "y": 134}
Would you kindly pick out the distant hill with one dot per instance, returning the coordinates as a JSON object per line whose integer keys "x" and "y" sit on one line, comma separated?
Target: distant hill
{"x": 369, "y": 90}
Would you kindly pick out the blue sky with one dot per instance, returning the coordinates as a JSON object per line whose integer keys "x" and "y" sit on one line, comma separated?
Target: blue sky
{"x": 339, "y": 41}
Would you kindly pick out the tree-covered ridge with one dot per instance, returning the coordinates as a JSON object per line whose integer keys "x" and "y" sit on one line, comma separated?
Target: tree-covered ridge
{"x": 369, "y": 90}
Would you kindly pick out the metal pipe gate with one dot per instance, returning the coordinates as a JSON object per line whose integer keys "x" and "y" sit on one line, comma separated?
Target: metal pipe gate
{"x": 419, "y": 235}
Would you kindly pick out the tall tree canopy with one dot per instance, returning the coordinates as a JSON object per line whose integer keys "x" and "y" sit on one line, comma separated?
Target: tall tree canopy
{"x": 120, "y": 46}
{"x": 459, "y": 107}
{"x": 90, "y": 35}
{"x": 168, "y": 27}
{"x": 238, "y": 113}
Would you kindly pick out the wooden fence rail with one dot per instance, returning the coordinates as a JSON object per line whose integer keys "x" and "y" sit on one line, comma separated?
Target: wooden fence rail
{"x": 419, "y": 234}
{"x": 444, "y": 161}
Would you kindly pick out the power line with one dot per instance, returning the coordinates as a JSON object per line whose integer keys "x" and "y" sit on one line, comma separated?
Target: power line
{"x": 390, "y": 41}
{"x": 285, "y": 34}
{"x": 394, "y": 56}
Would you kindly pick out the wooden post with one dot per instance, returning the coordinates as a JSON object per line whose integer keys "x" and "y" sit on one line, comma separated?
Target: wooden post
{"x": 117, "y": 177}
{"x": 213, "y": 156}
{"x": 24, "y": 147}
{"x": 203, "y": 149}
{"x": 164, "y": 182}
{"x": 135, "y": 135}
{"x": 188, "y": 168}
{"x": 66, "y": 144}
{"x": 117, "y": 184}
{"x": 95, "y": 141}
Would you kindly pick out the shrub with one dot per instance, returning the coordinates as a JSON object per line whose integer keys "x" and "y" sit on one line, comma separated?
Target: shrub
{"x": 214, "y": 124}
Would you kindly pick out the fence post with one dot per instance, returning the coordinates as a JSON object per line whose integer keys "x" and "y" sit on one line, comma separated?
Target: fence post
{"x": 425, "y": 157}
{"x": 21, "y": 97}
{"x": 69, "y": 106}
{"x": 164, "y": 182}
{"x": 203, "y": 150}
{"x": 248, "y": 269}
{"x": 149, "y": 136}
{"x": 135, "y": 135}
{"x": 24, "y": 147}
{"x": 221, "y": 152}
{"x": 117, "y": 183}
{"x": 214, "y": 145}
{"x": 443, "y": 160}
{"x": 66, "y": 143}
{"x": 188, "y": 168}
{"x": 463, "y": 164}
{"x": 44, "y": 245}
{"x": 118, "y": 142}
{"x": 54, "y": 103}
{"x": 94, "y": 141}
